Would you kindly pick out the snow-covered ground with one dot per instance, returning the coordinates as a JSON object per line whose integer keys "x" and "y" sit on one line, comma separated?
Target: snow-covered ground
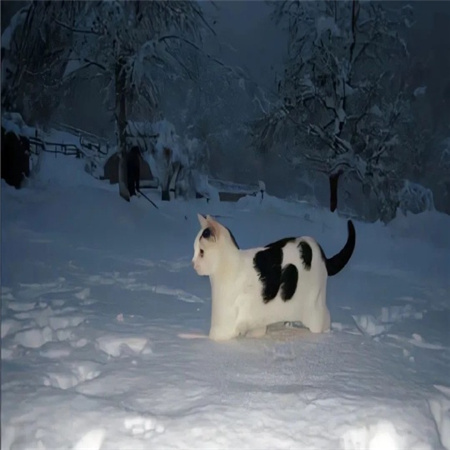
{"x": 98, "y": 296}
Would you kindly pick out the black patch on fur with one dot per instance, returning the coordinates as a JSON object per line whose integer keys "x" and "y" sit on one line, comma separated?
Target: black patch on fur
{"x": 233, "y": 239}
{"x": 268, "y": 265}
{"x": 289, "y": 279}
{"x": 306, "y": 254}
{"x": 206, "y": 233}
{"x": 281, "y": 243}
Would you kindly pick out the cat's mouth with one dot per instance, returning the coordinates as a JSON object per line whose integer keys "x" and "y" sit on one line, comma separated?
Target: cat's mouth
{"x": 195, "y": 266}
{"x": 199, "y": 270}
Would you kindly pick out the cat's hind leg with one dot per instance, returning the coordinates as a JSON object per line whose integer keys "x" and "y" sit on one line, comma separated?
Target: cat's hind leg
{"x": 315, "y": 313}
{"x": 319, "y": 321}
{"x": 317, "y": 318}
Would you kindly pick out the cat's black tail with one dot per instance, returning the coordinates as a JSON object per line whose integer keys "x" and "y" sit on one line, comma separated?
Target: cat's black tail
{"x": 337, "y": 262}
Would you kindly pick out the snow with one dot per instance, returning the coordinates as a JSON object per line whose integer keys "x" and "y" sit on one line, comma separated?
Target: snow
{"x": 421, "y": 90}
{"x": 165, "y": 148}
{"x": 73, "y": 65}
{"x": 326, "y": 24}
{"x": 13, "y": 122}
{"x": 168, "y": 138}
{"x": 101, "y": 307}
{"x": 225, "y": 186}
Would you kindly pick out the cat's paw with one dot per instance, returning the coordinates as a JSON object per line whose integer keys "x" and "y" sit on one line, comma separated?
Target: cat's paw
{"x": 222, "y": 335}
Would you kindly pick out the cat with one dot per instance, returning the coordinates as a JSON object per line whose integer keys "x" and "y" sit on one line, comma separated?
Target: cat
{"x": 284, "y": 281}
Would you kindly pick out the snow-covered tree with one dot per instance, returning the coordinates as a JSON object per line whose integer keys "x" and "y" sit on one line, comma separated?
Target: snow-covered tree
{"x": 427, "y": 76}
{"x": 133, "y": 43}
{"x": 34, "y": 58}
{"x": 216, "y": 106}
{"x": 341, "y": 99}
{"x": 129, "y": 44}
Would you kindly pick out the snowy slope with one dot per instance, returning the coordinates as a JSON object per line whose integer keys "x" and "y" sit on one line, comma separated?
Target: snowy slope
{"x": 99, "y": 294}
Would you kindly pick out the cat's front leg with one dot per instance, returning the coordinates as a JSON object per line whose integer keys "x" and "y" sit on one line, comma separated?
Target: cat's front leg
{"x": 256, "y": 332}
{"x": 221, "y": 334}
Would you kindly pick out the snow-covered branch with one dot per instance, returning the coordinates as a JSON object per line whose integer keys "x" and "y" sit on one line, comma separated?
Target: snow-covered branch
{"x": 340, "y": 87}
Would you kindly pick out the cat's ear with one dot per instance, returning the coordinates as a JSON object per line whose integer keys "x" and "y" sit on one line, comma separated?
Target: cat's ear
{"x": 215, "y": 226}
{"x": 202, "y": 220}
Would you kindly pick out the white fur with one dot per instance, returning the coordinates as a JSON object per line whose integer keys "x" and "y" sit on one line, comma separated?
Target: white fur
{"x": 237, "y": 304}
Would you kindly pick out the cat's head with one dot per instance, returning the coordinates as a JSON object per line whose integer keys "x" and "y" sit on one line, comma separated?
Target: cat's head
{"x": 212, "y": 243}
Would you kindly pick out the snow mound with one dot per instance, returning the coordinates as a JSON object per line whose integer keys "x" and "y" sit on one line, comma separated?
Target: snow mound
{"x": 13, "y": 122}
{"x": 34, "y": 337}
{"x": 104, "y": 330}
{"x": 62, "y": 170}
{"x": 92, "y": 440}
{"x": 428, "y": 225}
{"x": 369, "y": 325}
{"x": 381, "y": 436}
{"x": 117, "y": 345}
{"x": 440, "y": 409}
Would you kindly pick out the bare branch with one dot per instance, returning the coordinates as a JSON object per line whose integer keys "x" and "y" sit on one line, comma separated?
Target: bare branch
{"x": 75, "y": 30}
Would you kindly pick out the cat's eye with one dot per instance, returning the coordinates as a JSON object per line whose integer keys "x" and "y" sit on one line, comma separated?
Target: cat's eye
{"x": 202, "y": 252}
{"x": 206, "y": 233}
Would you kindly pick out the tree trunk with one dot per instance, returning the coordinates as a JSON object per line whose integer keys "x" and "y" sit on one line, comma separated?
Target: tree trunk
{"x": 121, "y": 123}
{"x": 334, "y": 178}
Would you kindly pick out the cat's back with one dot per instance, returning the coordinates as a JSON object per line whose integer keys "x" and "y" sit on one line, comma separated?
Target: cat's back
{"x": 303, "y": 252}
{"x": 287, "y": 269}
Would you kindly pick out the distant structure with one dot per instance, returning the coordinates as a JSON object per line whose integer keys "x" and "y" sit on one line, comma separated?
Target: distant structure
{"x": 15, "y": 159}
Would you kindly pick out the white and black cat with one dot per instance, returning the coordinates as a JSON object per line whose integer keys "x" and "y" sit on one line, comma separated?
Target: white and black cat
{"x": 283, "y": 281}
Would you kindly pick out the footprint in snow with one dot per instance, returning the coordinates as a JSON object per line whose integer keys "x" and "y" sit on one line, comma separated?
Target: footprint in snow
{"x": 171, "y": 266}
{"x": 389, "y": 315}
{"x": 6, "y": 292}
{"x": 116, "y": 346}
{"x": 10, "y": 326}
{"x": 143, "y": 426}
{"x": 35, "y": 324}
{"x": 73, "y": 374}
{"x": 180, "y": 293}
{"x": 370, "y": 325}
{"x": 22, "y": 306}
{"x": 32, "y": 291}
{"x": 34, "y": 337}
{"x": 416, "y": 340}
{"x": 46, "y": 326}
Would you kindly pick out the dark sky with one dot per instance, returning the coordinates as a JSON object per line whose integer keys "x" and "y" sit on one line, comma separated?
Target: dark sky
{"x": 247, "y": 26}
{"x": 249, "y": 38}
